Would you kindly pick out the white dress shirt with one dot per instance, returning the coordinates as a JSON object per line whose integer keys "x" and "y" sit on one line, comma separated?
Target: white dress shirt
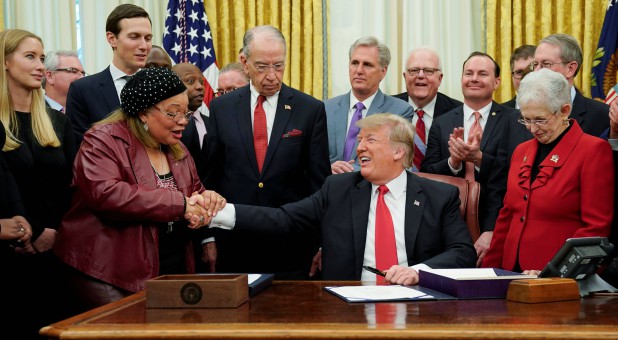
{"x": 429, "y": 110}
{"x": 117, "y": 76}
{"x": 367, "y": 103}
{"x": 270, "y": 108}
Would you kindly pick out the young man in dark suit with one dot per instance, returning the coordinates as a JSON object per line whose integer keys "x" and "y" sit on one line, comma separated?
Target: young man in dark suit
{"x": 383, "y": 216}
{"x": 267, "y": 146}
{"x": 521, "y": 61}
{"x": 454, "y": 149}
{"x": 90, "y": 99}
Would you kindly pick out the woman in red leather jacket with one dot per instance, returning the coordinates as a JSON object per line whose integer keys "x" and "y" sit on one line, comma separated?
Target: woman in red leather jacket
{"x": 133, "y": 214}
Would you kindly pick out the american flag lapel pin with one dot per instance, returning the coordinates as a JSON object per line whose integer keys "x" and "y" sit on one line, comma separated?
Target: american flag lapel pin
{"x": 417, "y": 203}
{"x": 287, "y": 107}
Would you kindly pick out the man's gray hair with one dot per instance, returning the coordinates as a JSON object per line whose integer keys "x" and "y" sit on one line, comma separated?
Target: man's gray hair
{"x": 52, "y": 59}
{"x": 384, "y": 53}
{"x": 544, "y": 87}
{"x": 250, "y": 35}
{"x": 421, "y": 49}
{"x": 235, "y": 67}
{"x": 569, "y": 48}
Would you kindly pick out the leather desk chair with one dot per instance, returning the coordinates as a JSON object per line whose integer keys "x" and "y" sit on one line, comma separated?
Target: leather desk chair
{"x": 469, "y": 193}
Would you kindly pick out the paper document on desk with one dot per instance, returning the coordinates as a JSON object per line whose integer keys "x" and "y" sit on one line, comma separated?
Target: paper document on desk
{"x": 377, "y": 293}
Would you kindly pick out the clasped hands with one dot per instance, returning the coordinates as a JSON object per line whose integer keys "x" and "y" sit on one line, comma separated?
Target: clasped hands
{"x": 201, "y": 208}
{"x": 462, "y": 151}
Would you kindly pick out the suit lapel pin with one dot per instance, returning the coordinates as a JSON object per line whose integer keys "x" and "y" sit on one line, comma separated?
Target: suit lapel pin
{"x": 287, "y": 107}
{"x": 525, "y": 157}
{"x": 554, "y": 158}
{"x": 493, "y": 113}
{"x": 417, "y": 203}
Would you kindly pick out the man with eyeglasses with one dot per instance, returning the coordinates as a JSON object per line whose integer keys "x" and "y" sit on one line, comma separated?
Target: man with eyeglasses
{"x": 231, "y": 77}
{"x": 369, "y": 60}
{"x": 89, "y": 100}
{"x": 61, "y": 69}
{"x": 267, "y": 146}
{"x": 561, "y": 53}
{"x": 423, "y": 76}
{"x": 464, "y": 141}
{"x": 521, "y": 64}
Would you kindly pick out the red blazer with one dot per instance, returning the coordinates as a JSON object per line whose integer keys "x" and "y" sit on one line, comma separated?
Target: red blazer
{"x": 110, "y": 232}
{"x": 572, "y": 196}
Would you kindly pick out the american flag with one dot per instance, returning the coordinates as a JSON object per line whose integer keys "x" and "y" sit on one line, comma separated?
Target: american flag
{"x": 187, "y": 38}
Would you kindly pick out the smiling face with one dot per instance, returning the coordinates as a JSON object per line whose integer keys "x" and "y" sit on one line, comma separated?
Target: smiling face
{"x": 164, "y": 129}
{"x": 422, "y": 88}
{"x": 555, "y": 122}
{"x": 365, "y": 71}
{"x": 380, "y": 161}
{"x": 24, "y": 67}
{"x": 132, "y": 44}
{"x": 478, "y": 81}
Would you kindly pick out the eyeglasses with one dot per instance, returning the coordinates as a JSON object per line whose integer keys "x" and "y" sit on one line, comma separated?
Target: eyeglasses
{"x": 427, "y": 71}
{"x": 71, "y": 70}
{"x": 546, "y": 64}
{"x": 222, "y": 92}
{"x": 175, "y": 116}
{"x": 263, "y": 68}
{"x": 538, "y": 122}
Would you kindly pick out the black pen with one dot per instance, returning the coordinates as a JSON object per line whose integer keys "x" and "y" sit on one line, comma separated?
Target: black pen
{"x": 374, "y": 270}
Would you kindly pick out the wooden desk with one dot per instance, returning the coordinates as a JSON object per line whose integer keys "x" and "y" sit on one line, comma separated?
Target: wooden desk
{"x": 303, "y": 310}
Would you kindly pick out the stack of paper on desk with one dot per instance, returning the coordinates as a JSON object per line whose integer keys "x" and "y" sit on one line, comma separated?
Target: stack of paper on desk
{"x": 470, "y": 283}
{"x": 377, "y": 293}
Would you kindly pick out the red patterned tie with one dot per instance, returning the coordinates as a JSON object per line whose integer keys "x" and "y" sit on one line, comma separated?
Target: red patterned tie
{"x": 474, "y": 129}
{"x": 385, "y": 246}
{"x": 420, "y": 141}
{"x": 260, "y": 134}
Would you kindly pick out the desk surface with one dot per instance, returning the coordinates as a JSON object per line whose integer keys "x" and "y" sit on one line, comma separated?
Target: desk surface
{"x": 302, "y": 309}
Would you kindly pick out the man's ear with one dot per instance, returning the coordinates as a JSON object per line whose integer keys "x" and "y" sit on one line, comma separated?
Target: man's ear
{"x": 399, "y": 153}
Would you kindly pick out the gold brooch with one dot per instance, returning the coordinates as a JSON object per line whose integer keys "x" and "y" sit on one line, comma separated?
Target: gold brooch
{"x": 554, "y": 158}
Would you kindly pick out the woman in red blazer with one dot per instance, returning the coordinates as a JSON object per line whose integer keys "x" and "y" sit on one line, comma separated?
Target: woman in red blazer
{"x": 560, "y": 184}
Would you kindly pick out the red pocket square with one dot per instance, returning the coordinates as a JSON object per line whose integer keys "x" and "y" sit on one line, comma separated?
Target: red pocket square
{"x": 293, "y": 133}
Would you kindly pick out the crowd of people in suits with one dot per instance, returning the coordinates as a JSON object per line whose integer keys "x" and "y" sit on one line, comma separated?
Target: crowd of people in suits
{"x": 111, "y": 179}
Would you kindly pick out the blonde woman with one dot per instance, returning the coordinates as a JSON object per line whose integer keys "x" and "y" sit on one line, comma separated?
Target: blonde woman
{"x": 39, "y": 151}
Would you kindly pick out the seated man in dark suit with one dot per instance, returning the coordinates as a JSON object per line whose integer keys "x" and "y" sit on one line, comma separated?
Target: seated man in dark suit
{"x": 383, "y": 216}
{"x": 457, "y": 148}
{"x": 90, "y": 99}
{"x": 521, "y": 61}
{"x": 423, "y": 76}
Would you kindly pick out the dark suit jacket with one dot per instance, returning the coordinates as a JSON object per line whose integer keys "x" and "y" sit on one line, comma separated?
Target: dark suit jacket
{"x": 436, "y": 157}
{"x": 444, "y": 103}
{"x": 511, "y": 103}
{"x": 295, "y": 166}
{"x": 591, "y": 115}
{"x": 197, "y": 149}
{"x": 89, "y": 100}
{"x": 435, "y": 233}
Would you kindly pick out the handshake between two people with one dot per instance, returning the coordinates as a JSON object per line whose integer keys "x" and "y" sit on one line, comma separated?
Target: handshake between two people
{"x": 201, "y": 208}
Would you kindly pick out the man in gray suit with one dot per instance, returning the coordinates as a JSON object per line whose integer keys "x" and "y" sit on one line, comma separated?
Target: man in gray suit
{"x": 369, "y": 60}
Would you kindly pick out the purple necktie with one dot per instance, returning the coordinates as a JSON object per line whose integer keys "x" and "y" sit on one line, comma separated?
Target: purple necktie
{"x": 350, "y": 141}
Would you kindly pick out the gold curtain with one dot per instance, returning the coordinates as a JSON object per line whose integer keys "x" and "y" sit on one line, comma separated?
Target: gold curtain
{"x": 1, "y": 15}
{"x": 509, "y": 24}
{"x": 300, "y": 21}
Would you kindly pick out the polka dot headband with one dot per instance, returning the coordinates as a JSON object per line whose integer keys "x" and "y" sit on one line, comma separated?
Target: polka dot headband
{"x": 147, "y": 87}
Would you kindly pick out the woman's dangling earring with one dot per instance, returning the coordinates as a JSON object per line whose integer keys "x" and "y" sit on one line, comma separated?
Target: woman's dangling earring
{"x": 145, "y": 126}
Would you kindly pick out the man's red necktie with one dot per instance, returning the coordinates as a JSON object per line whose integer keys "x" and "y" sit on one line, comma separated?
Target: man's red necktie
{"x": 385, "y": 246}
{"x": 420, "y": 141}
{"x": 260, "y": 133}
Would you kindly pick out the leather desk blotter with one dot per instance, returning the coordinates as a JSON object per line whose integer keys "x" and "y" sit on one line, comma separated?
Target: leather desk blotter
{"x": 543, "y": 290}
